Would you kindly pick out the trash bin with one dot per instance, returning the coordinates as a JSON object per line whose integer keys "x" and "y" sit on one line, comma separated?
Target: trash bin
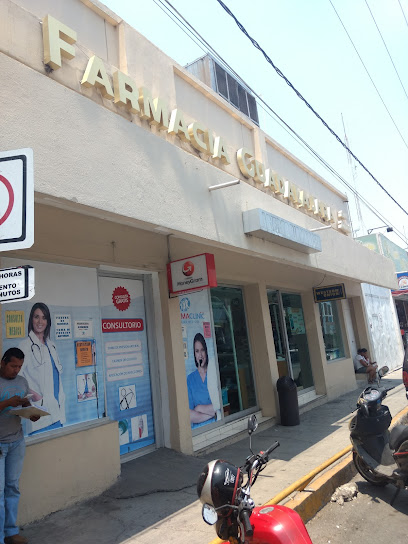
{"x": 288, "y": 401}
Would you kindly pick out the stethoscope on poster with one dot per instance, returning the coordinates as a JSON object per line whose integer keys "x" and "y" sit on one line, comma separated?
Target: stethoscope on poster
{"x": 35, "y": 345}
{"x": 42, "y": 361}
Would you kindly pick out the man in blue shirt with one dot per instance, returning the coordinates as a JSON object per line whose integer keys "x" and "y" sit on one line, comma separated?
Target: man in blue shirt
{"x": 13, "y": 393}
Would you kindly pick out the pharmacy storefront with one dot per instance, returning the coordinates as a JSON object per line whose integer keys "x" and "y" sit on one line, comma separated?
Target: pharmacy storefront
{"x": 86, "y": 340}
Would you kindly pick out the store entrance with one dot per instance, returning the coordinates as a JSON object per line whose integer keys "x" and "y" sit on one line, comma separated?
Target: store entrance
{"x": 289, "y": 334}
{"x": 128, "y": 388}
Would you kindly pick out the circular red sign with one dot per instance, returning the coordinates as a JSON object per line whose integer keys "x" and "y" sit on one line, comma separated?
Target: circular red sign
{"x": 121, "y": 298}
{"x": 188, "y": 268}
{"x": 10, "y": 196}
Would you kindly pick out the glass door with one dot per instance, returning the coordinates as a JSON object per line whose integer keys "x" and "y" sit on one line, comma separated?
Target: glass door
{"x": 128, "y": 389}
{"x": 233, "y": 351}
{"x": 289, "y": 333}
{"x": 279, "y": 333}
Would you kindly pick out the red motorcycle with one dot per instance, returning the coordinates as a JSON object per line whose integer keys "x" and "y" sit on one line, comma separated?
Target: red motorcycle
{"x": 227, "y": 503}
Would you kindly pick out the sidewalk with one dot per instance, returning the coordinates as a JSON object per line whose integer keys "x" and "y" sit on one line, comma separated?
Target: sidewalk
{"x": 155, "y": 499}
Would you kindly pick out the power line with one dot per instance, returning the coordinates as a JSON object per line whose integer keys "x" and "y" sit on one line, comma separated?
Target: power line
{"x": 299, "y": 95}
{"x": 178, "y": 19}
{"x": 403, "y": 12}
{"x": 167, "y": 11}
{"x": 369, "y": 75}
{"x": 385, "y": 45}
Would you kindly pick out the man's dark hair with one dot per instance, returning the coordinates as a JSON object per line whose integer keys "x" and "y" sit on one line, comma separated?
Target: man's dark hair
{"x": 12, "y": 352}
{"x": 362, "y": 350}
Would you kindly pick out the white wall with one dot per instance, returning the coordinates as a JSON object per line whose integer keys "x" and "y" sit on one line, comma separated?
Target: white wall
{"x": 383, "y": 326}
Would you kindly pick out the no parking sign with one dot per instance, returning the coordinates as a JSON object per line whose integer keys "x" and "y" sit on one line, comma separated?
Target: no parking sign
{"x": 16, "y": 199}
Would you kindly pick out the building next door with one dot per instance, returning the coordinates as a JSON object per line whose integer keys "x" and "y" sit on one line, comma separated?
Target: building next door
{"x": 128, "y": 388}
{"x": 289, "y": 334}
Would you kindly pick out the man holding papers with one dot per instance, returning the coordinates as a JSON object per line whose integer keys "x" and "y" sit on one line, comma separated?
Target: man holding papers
{"x": 13, "y": 393}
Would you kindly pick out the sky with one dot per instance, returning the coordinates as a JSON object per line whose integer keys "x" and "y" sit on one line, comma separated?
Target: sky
{"x": 348, "y": 58}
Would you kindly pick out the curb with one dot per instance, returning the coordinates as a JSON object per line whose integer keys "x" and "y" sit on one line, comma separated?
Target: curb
{"x": 309, "y": 501}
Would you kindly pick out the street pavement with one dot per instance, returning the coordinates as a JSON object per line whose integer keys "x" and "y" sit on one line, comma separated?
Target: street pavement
{"x": 155, "y": 498}
{"x": 369, "y": 518}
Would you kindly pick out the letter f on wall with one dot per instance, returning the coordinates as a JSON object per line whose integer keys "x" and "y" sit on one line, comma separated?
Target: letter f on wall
{"x": 58, "y": 42}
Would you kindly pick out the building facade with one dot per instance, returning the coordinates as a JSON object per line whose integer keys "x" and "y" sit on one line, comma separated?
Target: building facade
{"x": 138, "y": 163}
{"x": 387, "y": 310}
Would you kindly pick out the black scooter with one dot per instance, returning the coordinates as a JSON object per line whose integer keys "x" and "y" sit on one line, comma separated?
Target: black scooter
{"x": 380, "y": 456}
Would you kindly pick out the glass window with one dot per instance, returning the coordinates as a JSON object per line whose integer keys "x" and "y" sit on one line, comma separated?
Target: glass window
{"x": 242, "y": 97}
{"x": 332, "y": 337}
{"x": 253, "y": 111}
{"x": 278, "y": 334}
{"x": 233, "y": 90}
{"x": 297, "y": 340}
{"x": 234, "y": 358}
{"x": 221, "y": 81}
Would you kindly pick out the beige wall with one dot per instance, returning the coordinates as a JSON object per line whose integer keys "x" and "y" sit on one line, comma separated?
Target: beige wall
{"x": 62, "y": 471}
{"x": 303, "y": 177}
{"x": 332, "y": 378}
{"x": 262, "y": 347}
{"x": 84, "y": 146}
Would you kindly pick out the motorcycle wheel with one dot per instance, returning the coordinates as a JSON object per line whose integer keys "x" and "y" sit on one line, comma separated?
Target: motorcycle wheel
{"x": 368, "y": 473}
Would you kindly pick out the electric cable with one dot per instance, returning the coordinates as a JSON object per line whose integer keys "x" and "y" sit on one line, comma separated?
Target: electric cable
{"x": 385, "y": 45}
{"x": 368, "y": 73}
{"x": 403, "y": 12}
{"x": 207, "y": 48}
{"x": 300, "y": 96}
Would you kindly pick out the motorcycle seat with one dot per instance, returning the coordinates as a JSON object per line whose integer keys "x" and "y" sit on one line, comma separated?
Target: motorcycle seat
{"x": 398, "y": 435}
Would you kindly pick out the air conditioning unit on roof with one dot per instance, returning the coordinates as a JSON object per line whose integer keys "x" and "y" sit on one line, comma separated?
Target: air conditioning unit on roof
{"x": 210, "y": 72}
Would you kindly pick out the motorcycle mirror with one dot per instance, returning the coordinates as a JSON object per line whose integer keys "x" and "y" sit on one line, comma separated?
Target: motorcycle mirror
{"x": 209, "y": 514}
{"x": 252, "y": 424}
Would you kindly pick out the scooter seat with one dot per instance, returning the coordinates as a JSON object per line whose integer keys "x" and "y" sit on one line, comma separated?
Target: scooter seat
{"x": 398, "y": 434}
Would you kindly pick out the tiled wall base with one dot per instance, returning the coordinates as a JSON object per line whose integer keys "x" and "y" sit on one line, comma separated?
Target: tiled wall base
{"x": 233, "y": 431}
{"x": 305, "y": 398}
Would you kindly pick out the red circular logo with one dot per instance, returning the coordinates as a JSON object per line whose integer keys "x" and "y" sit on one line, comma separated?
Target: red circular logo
{"x": 10, "y": 191}
{"x": 121, "y": 298}
{"x": 188, "y": 268}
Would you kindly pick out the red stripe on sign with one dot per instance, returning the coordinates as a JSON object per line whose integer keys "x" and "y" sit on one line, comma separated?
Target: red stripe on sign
{"x": 10, "y": 191}
{"x": 122, "y": 325}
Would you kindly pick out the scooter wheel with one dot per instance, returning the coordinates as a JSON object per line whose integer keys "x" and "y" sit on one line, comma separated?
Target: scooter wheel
{"x": 368, "y": 473}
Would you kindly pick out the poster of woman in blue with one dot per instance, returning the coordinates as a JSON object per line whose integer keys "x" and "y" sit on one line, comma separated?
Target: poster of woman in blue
{"x": 201, "y": 372}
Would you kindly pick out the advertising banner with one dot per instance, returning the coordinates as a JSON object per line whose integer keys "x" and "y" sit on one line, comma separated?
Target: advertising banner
{"x": 191, "y": 274}
{"x": 402, "y": 291}
{"x": 127, "y": 370}
{"x": 62, "y": 363}
{"x": 199, "y": 357}
{"x": 402, "y": 278}
{"x": 329, "y": 292}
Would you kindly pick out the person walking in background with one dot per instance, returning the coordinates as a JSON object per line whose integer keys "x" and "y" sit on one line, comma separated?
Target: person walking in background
{"x": 363, "y": 365}
{"x": 199, "y": 400}
{"x": 42, "y": 369}
{"x": 13, "y": 393}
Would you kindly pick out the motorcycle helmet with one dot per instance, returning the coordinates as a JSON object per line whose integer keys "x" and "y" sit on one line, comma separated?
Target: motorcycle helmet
{"x": 218, "y": 483}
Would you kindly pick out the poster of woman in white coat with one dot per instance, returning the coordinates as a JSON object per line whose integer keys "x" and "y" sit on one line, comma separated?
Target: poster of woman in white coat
{"x": 42, "y": 369}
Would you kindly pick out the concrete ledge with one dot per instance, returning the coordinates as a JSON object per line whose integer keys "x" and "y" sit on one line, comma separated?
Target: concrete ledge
{"x": 318, "y": 493}
{"x": 47, "y": 484}
{"x": 308, "y": 502}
